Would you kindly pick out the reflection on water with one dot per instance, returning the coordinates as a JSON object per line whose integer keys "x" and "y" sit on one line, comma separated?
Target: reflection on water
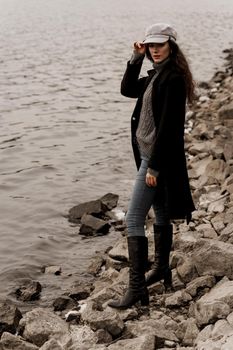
{"x": 64, "y": 134}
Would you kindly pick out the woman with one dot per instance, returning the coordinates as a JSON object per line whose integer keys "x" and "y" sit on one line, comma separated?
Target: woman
{"x": 157, "y": 126}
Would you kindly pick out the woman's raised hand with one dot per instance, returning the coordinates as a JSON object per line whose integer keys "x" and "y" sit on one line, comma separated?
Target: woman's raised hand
{"x": 139, "y": 47}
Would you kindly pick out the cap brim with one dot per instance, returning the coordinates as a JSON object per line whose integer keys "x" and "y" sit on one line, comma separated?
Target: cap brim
{"x": 156, "y": 39}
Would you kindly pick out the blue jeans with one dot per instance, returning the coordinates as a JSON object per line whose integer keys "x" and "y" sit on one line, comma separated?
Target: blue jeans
{"x": 143, "y": 197}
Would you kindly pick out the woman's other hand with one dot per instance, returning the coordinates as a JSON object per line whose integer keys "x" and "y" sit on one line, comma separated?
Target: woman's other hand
{"x": 151, "y": 180}
{"x": 139, "y": 47}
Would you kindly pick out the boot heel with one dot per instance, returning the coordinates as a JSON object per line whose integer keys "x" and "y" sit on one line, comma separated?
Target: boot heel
{"x": 144, "y": 300}
{"x": 167, "y": 279}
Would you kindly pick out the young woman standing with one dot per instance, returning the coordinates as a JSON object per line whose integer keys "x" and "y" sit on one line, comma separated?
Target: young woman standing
{"x": 157, "y": 127}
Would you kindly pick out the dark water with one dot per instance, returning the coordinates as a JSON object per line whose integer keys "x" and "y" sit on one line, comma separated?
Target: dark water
{"x": 64, "y": 134}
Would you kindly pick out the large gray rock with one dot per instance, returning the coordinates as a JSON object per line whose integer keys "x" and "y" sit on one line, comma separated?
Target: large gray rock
{"x": 13, "y": 342}
{"x": 92, "y": 225}
{"x": 9, "y": 317}
{"x": 143, "y": 342}
{"x": 109, "y": 201}
{"x": 102, "y": 319}
{"x": 92, "y": 207}
{"x": 96, "y": 207}
{"x": 41, "y": 324}
{"x": 216, "y": 304}
{"x": 80, "y": 290}
{"x": 212, "y": 257}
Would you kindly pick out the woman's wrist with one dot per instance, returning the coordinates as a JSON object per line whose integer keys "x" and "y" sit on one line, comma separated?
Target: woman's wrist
{"x": 136, "y": 57}
{"x": 152, "y": 172}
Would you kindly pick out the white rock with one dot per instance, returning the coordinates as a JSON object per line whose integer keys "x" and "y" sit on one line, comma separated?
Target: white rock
{"x": 41, "y": 324}
{"x": 216, "y": 304}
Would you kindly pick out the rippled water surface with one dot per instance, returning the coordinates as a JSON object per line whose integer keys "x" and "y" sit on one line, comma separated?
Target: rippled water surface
{"x": 64, "y": 132}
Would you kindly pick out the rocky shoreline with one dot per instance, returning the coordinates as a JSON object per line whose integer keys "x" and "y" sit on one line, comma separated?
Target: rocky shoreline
{"x": 198, "y": 312}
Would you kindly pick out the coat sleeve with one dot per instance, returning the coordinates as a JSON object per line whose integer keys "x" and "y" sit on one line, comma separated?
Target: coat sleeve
{"x": 131, "y": 84}
{"x": 170, "y": 131}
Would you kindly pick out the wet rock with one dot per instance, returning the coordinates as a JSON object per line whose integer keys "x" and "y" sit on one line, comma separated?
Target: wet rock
{"x": 92, "y": 207}
{"x": 30, "y": 290}
{"x": 81, "y": 290}
{"x": 143, "y": 342}
{"x": 13, "y": 342}
{"x": 54, "y": 270}
{"x": 92, "y": 225}
{"x": 40, "y": 324}
{"x": 52, "y": 344}
{"x": 109, "y": 201}
{"x": 63, "y": 303}
{"x": 102, "y": 319}
{"x": 9, "y": 317}
{"x": 97, "y": 207}
{"x": 216, "y": 304}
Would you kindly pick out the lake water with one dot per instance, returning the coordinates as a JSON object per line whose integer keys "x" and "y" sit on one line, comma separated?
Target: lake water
{"x": 64, "y": 134}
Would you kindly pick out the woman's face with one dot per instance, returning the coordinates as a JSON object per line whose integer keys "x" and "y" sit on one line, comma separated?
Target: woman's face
{"x": 159, "y": 52}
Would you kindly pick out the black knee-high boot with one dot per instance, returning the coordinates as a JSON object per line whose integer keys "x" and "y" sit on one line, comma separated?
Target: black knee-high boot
{"x": 160, "y": 268}
{"x": 137, "y": 290}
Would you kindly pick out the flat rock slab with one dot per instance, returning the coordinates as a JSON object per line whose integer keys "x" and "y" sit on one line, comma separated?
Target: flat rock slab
{"x": 92, "y": 207}
{"x": 92, "y": 225}
{"x": 97, "y": 207}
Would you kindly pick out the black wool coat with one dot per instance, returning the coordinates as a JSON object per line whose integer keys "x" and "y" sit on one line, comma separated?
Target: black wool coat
{"x": 168, "y": 156}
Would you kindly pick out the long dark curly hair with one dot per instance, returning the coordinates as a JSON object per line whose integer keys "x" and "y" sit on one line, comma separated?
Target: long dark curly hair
{"x": 179, "y": 60}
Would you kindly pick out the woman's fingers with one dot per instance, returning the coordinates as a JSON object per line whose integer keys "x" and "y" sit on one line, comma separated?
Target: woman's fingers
{"x": 139, "y": 47}
{"x": 151, "y": 180}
